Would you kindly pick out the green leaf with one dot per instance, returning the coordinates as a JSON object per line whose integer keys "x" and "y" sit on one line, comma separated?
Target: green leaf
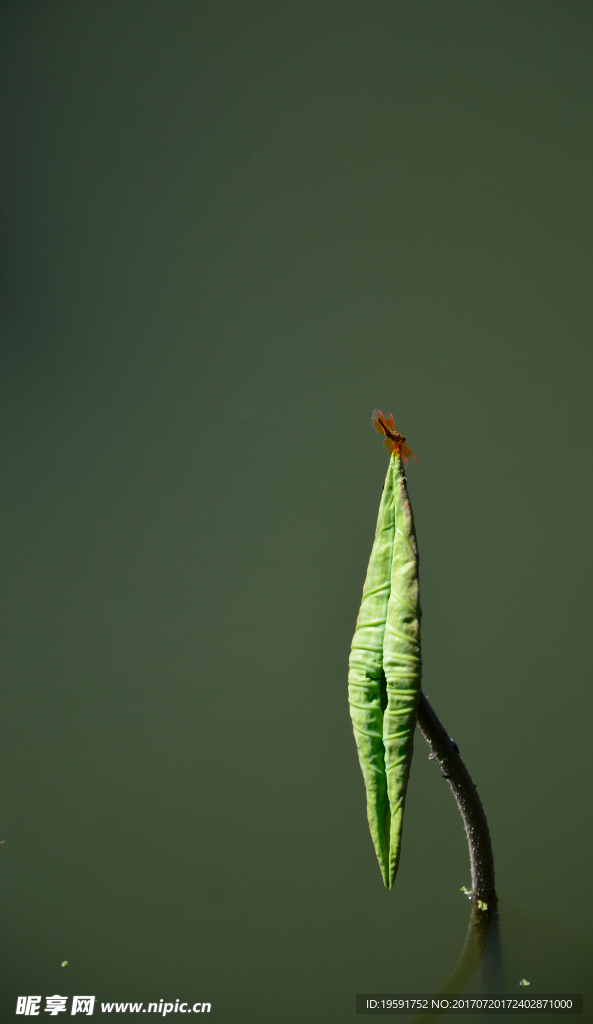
{"x": 366, "y": 685}
{"x": 401, "y": 662}
{"x": 385, "y": 669}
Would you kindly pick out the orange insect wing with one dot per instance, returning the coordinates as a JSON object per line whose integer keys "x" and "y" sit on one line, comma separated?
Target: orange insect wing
{"x": 382, "y": 423}
{"x": 404, "y": 450}
{"x": 408, "y": 453}
{"x": 387, "y": 420}
{"x": 377, "y": 414}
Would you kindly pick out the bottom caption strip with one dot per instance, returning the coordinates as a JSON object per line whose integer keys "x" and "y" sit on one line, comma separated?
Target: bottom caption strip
{"x": 420, "y": 1004}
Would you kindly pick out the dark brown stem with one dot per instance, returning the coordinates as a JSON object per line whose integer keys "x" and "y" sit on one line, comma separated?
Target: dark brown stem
{"x": 444, "y": 751}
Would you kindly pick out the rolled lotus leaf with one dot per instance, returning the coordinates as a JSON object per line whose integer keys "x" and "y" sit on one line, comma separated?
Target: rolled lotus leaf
{"x": 366, "y": 682}
{"x": 385, "y": 668}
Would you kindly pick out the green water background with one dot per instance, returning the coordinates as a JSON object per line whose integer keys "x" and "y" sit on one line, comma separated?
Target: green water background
{"x": 231, "y": 230}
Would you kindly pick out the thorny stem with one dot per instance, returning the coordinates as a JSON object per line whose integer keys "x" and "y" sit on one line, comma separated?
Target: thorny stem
{"x": 444, "y": 750}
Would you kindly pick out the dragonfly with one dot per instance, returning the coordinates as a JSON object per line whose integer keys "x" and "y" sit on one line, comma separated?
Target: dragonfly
{"x": 392, "y": 439}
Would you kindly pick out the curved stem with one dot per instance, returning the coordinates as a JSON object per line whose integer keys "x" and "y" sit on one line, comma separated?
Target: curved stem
{"x": 444, "y": 750}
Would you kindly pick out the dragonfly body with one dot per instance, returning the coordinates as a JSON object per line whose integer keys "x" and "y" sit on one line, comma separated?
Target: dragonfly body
{"x": 394, "y": 442}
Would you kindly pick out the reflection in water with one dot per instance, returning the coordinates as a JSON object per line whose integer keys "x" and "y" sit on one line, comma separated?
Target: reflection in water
{"x": 481, "y": 946}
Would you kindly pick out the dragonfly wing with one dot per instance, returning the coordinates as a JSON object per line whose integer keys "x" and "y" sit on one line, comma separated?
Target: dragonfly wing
{"x": 377, "y": 415}
{"x": 407, "y": 452}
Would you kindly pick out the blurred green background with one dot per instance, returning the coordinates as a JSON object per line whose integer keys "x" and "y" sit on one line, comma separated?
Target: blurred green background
{"x": 231, "y": 230}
